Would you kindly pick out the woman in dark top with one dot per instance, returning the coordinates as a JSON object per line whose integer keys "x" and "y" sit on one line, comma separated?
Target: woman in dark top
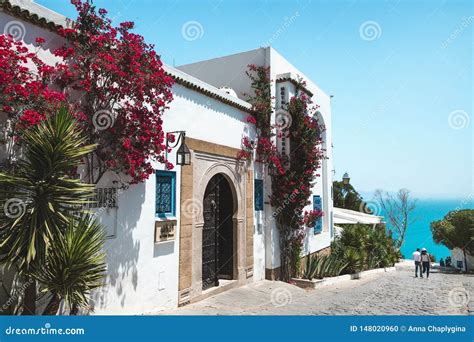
{"x": 425, "y": 262}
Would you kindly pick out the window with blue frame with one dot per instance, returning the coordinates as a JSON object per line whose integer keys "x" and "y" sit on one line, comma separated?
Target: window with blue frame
{"x": 317, "y": 205}
{"x": 258, "y": 194}
{"x": 165, "y": 193}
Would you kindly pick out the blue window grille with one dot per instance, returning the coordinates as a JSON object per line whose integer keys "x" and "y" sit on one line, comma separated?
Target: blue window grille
{"x": 317, "y": 205}
{"x": 165, "y": 194}
{"x": 258, "y": 194}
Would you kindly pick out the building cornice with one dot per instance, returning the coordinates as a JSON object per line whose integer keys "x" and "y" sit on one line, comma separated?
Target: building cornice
{"x": 35, "y": 14}
{"x": 288, "y": 77}
{"x": 204, "y": 88}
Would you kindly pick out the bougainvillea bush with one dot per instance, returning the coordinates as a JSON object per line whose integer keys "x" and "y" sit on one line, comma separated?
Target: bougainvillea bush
{"x": 25, "y": 97}
{"x": 293, "y": 174}
{"x": 113, "y": 80}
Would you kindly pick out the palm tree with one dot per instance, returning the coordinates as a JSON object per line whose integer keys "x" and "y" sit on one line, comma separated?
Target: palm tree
{"x": 36, "y": 200}
{"x": 75, "y": 265}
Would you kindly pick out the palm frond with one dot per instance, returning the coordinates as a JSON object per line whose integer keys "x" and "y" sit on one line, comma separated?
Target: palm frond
{"x": 76, "y": 262}
{"x": 42, "y": 189}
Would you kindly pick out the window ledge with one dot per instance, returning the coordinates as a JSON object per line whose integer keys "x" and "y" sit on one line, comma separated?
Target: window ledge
{"x": 167, "y": 217}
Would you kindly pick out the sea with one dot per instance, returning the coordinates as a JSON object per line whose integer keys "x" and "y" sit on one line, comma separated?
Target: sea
{"x": 418, "y": 234}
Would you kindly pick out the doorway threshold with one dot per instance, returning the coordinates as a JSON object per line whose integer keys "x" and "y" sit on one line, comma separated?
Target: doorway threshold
{"x": 224, "y": 285}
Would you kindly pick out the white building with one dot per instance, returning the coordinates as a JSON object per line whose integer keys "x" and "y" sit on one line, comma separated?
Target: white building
{"x": 161, "y": 247}
{"x": 460, "y": 261}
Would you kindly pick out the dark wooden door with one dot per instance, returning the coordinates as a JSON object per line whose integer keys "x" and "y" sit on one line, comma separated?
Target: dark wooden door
{"x": 217, "y": 234}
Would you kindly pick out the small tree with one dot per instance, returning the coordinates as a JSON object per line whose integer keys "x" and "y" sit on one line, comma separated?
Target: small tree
{"x": 347, "y": 197}
{"x": 40, "y": 195}
{"x": 398, "y": 209}
{"x": 124, "y": 93}
{"x": 456, "y": 230}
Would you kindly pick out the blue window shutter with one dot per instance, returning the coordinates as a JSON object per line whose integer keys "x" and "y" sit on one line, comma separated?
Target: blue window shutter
{"x": 317, "y": 205}
{"x": 165, "y": 201}
{"x": 258, "y": 194}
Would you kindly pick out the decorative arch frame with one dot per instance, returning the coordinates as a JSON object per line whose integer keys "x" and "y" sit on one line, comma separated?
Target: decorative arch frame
{"x": 225, "y": 167}
{"x": 208, "y": 160}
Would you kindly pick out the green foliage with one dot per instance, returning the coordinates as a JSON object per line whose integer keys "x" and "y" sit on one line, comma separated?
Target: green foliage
{"x": 296, "y": 258}
{"x": 346, "y": 197}
{"x": 41, "y": 235}
{"x": 354, "y": 259}
{"x": 364, "y": 247}
{"x": 323, "y": 266}
{"x": 75, "y": 264}
{"x": 456, "y": 229}
{"x": 42, "y": 189}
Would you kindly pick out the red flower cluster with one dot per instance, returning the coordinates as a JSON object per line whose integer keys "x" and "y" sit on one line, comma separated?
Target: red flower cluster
{"x": 251, "y": 120}
{"x": 24, "y": 94}
{"x": 40, "y": 40}
{"x": 310, "y": 217}
{"x": 31, "y": 118}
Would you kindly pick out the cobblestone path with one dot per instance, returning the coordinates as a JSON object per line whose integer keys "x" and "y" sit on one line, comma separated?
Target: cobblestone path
{"x": 395, "y": 293}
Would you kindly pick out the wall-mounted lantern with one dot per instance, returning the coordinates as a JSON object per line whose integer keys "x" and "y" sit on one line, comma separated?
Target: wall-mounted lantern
{"x": 183, "y": 155}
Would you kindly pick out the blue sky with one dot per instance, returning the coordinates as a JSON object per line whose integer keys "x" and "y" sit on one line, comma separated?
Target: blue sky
{"x": 403, "y": 97}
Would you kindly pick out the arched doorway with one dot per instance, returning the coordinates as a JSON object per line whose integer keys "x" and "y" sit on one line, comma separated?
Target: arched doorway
{"x": 217, "y": 232}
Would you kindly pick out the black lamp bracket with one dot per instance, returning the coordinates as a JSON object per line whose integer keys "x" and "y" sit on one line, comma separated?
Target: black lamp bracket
{"x": 181, "y": 135}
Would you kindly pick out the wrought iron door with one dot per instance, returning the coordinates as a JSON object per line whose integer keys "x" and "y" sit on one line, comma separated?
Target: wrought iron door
{"x": 209, "y": 235}
{"x": 217, "y": 234}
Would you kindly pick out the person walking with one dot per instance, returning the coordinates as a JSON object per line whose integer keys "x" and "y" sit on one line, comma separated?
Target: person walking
{"x": 417, "y": 259}
{"x": 425, "y": 262}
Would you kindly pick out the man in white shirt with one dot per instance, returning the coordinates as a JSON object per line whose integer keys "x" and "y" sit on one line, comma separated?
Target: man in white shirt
{"x": 417, "y": 258}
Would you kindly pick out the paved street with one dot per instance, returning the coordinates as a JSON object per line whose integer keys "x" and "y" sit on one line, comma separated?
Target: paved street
{"x": 395, "y": 293}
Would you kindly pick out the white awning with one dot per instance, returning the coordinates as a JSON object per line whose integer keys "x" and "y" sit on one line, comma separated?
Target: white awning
{"x": 346, "y": 216}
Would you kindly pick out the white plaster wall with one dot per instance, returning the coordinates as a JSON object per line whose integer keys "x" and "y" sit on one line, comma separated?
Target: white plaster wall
{"x": 206, "y": 119}
{"x": 228, "y": 71}
{"x": 141, "y": 275}
{"x": 259, "y": 228}
{"x": 458, "y": 255}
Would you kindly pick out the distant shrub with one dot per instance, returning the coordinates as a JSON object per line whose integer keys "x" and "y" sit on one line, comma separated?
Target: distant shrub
{"x": 362, "y": 247}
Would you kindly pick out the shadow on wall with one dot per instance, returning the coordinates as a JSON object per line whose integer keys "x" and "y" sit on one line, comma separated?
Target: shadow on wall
{"x": 164, "y": 248}
{"x": 123, "y": 250}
